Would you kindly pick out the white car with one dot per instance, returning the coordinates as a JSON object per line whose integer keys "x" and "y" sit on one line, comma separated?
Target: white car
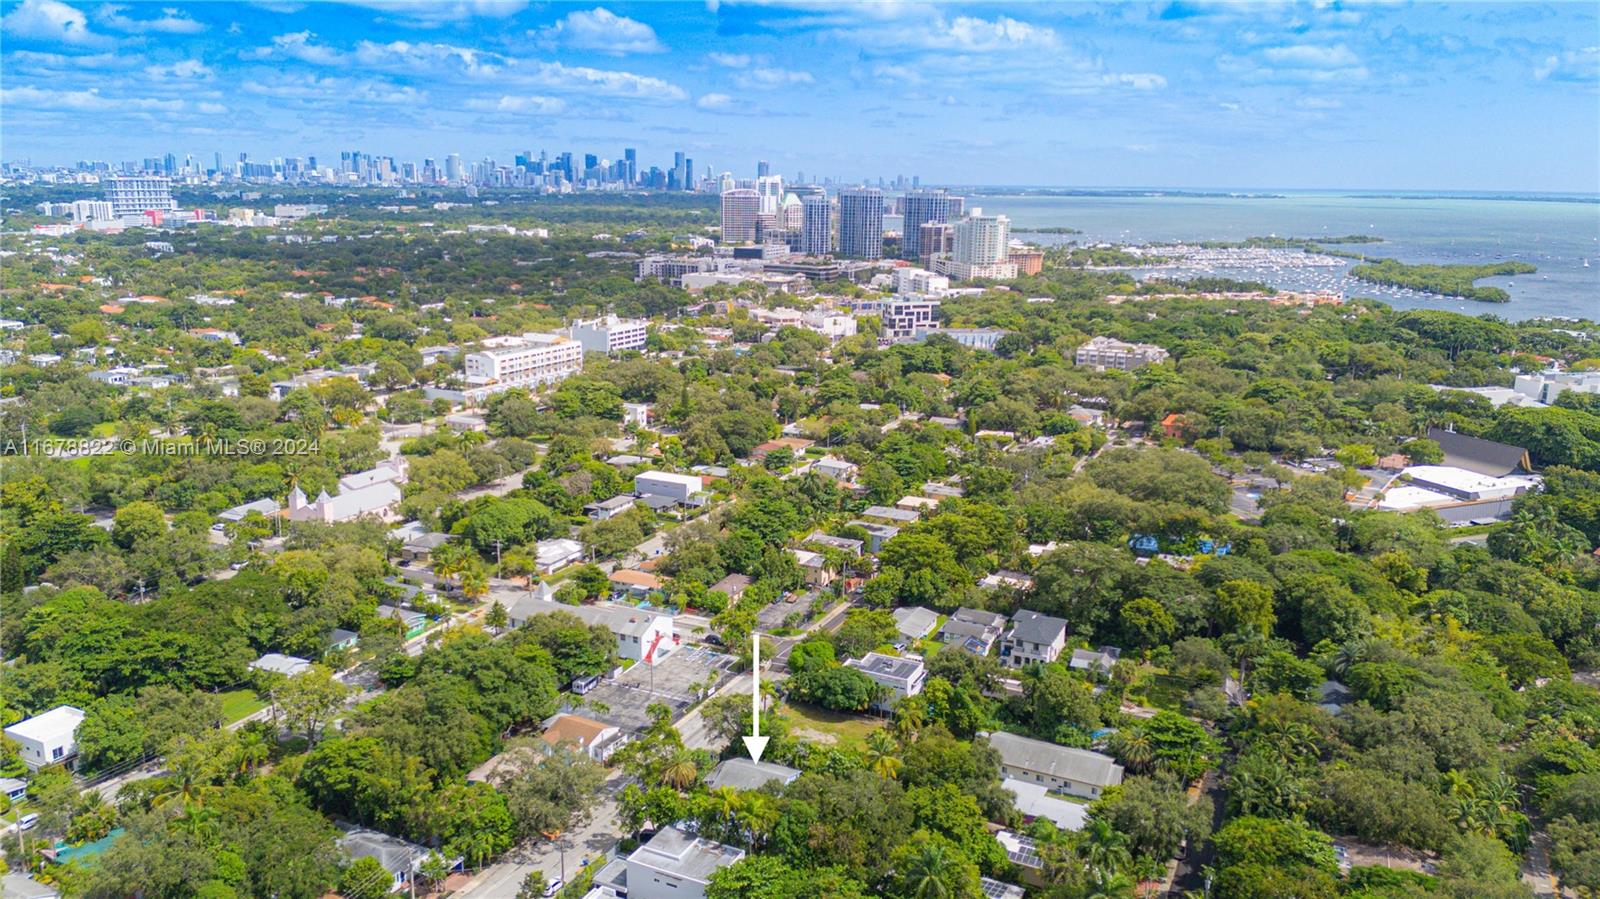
{"x": 28, "y": 821}
{"x": 554, "y": 887}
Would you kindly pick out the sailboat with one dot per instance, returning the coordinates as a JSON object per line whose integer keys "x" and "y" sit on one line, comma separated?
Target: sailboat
{"x": 1585, "y": 262}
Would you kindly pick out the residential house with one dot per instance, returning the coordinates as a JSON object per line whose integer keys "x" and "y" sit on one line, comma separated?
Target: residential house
{"x": 1033, "y": 638}
{"x": 610, "y": 508}
{"x": 552, "y": 555}
{"x": 744, "y": 774}
{"x": 278, "y": 663}
{"x": 596, "y": 739}
{"x": 1098, "y": 661}
{"x": 900, "y": 676}
{"x": 843, "y": 544}
{"x": 13, "y": 788}
{"x": 1033, "y": 800}
{"x": 837, "y": 469}
{"x": 401, "y": 858}
{"x": 1060, "y": 769}
{"x": 814, "y": 566}
{"x": 995, "y": 889}
{"x": 1007, "y": 579}
{"x": 675, "y": 864}
{"x": 973, "y": 630}
{"x": 915, "y": 622}
{"x": 678, "y": 487}
{"x": 732, "y": 586}
{"x": 891, "y": 515}
{"x": 921, "y": 505}
{"x": 47, "y": 738}
{"x": 421, "y": 547}
{"x": 412, "y": 623}
{"x": 877, "y": 534}
{"x": 795, "y": 445}
{"x": 643, "y": 635}
{"x": 628, "y": 583}
{"x": 267, "y": 507}
{"x": 339, "y": 639}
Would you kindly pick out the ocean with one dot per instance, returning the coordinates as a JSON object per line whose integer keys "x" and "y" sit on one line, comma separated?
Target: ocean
{"x": 1557, "y": 234}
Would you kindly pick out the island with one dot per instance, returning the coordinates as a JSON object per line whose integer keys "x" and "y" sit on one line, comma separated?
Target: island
{"x": 1445, "y": 280}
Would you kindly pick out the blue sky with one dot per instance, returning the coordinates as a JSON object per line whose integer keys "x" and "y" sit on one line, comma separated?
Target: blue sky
{"x": 1472, "y": 96}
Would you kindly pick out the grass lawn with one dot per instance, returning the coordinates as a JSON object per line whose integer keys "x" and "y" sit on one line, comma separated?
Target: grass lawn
{"x": 812, "y": 723}
{"x": 237, "y": 704}
{"x": 1162, "y": 691}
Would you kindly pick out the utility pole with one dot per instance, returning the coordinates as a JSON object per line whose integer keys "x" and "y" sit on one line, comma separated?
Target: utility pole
{"x": 497, "y": 559}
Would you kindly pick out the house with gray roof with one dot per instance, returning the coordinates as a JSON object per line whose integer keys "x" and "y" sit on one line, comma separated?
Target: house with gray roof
{"x": 744, "y": 774}
{"x": 401, "y": 858}
{"x": 677, "y": 864}
{"x": 877, "y": 534}
{"x": 1097, "y": 661}
{"x": 1060, "y": 769}
{"x": 1485, "y": 457}
{"x": 973, "y": 630}
{"x": 915, "y": 622}
{"x": 900, "y": 676}
{"x": 1033, "y": 637}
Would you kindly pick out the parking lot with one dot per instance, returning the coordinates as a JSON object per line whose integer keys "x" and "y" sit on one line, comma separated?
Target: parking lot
{"x": 672, "y": 681}
{"x": 772, "y": 617}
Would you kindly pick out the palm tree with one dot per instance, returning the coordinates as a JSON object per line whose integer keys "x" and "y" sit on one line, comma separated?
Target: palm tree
{"x": 1134, "y": 748}
{"x": 909, "y": 719}
{"x": 680, "y": 771}
{"x": 929, "y": 874}
{"x": 882, "y": 755}
{"x": 728, "y": 805}
{"x": 474, "y": 582}
{"x": 1105, "y": 851}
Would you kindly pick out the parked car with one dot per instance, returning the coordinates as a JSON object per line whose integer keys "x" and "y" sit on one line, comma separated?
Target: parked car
{"x": 554, "y": 887}
{"x": 28, "y": 821}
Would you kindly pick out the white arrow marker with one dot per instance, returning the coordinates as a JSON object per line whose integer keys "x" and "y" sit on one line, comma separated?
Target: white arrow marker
{"x": 755, "y": 743}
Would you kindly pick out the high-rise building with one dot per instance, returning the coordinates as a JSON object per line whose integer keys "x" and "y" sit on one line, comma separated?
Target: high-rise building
{"x": 134, "y": 194}
{"x": 770, "y": 187}
{"x": 452, "y": 168}
{"x": 861, "y": 223}
{"x": 762, "y": 169}
{"x": 688, "y": 173}
{"x": 920, "y": 207}
{"x": 630, "y": 156}
{"x": 791, "y": 213}
{"x": 609, "y": 334}
{"x": 741, "y": 208}
{"x": 979, "y": 247}
{"x": 816, "y": 225}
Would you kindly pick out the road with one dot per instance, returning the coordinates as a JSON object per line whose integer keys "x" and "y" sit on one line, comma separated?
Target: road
{"x": 502, "y": 879}
{"x": 1190, "y": 875}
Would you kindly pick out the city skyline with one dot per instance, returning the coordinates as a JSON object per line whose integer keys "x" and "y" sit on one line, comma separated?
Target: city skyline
{"x": 1334, "y": 96}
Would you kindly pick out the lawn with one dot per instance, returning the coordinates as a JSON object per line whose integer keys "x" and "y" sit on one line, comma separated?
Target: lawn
{"x": 834, "y": 728}
{"x": 1160, "y": 690}
{"x": 237, "y": 704}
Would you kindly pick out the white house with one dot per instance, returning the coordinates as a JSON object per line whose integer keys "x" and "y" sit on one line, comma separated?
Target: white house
{"x": 642, "y": 635}
{"x": 677, "y": 864}
{"x": 901, "y": 676}
{"x": 553, "y": 555}
{"x": 278, "y": 663}
{"x": 48, "y": 738}
{"x": 677, "y": 487}
{"x": 1033, "y": 638}
{"x": 1060, "y": 769}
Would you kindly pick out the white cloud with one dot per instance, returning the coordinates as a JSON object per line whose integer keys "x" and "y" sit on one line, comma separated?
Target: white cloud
{"x": 211, "y": 108}
{"x": 410, "y": 57}
{"x": 890, "y": 72}
{"x": 731, "y": 60}
{"x": 433, "y": 14}
{"x": 1311, "y": 56}
{"x": 171, "y": 21}
{"x": 715, "y": 102}
{"x": 763, "y": 77}
{"x": 972, "y": 33}
{"x": 525, "y": 105}
{"x": 89, "y": 100}
{"x": 612, "y": 83}
{"x": 50, "y": 20}
{"x": 334, "y": 90}
{"x": 1570, "y": 65}
{"x": 601, "y": 30}
{"x": 298, "y": 45}
{"x": 183, "y": 69}
{"x": 1139, "y": 81}
{"x": 33, "y": 61}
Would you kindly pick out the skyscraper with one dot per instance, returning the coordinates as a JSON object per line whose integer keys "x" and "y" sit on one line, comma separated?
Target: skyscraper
{"x": 762, "y": 169}
{"x": 631, "y": 157}
{"x": 452, "y": 168}
{"x": 979, "y": 248}
{"x": 133, "y": 194}
{"x": 816, "y": 224}
{"x": 921, "y": 207}
{"x": 741, "y": 208}
{"x": 861, "y": 223}
{"x": 770, "y": 187}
